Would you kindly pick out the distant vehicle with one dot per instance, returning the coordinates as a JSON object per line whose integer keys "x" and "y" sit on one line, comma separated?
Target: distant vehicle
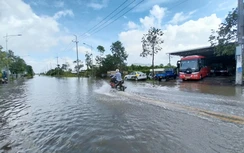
{"x": 149, "y": 76}
{"x": 137, "y": 75}
{"x": 193, "y": 67}
{"x": 163, "y": 74}
{"x": 168, "y": 73}
{"x": 221, "y": 69}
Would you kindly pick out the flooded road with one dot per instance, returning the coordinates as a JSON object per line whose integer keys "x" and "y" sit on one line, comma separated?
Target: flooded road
{"x": 84, "y": 115}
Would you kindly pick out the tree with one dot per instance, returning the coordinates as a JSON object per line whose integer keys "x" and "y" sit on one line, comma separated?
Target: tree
{"x": 108, "y": 64}
{"x": 64, "y": 67}
{"x": 99, "y": 58}
{"x": 119, "y": 54}
{"x": 151, "y": 43}
{"x": 3, "y": 58}
{"x": 88, "y": 60}
{"x": 17, "y": 66}
{"x": 100, "y": 49}
{"x": 29, "y": 70}
{"x": 224, "y": 38}
{"x": 77, "y": 67}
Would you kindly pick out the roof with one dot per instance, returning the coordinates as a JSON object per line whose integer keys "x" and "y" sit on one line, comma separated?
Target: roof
{"x": 192, "y": 57}
{"x": 204, "y": 51}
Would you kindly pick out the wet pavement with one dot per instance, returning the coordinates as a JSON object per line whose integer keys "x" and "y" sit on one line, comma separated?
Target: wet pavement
{"x": 85, "y": 115}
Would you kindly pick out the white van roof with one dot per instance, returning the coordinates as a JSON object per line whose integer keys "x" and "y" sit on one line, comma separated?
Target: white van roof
{"x": 156, "y": 70}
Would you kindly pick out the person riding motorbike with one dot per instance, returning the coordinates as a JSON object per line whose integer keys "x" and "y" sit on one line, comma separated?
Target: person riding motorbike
{"x": 118, "y": 78}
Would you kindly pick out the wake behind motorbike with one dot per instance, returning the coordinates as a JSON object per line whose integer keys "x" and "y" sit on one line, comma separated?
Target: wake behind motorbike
{"x": 117, "y": 85}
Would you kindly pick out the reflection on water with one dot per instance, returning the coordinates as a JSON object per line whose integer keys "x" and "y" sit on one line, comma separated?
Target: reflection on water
{"x": 84, "y": 115}
{"x": 209, "y": 89}
{"x": 205, "y": 87}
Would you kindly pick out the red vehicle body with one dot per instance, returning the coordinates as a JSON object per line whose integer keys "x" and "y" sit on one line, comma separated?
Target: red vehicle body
{"x": 193, "y": 68}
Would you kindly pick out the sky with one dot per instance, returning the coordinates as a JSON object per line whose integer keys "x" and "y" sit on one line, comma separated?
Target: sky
{"x": 49, "y": 28}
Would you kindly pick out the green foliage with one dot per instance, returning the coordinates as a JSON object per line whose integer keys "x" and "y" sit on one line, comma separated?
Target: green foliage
{"x": 29, "y": 71}
{"x": 119, "y": 55}
{"x": 55, "y": 72}
{"x": 65, "y": 67}
{"x": 88, "y": 60}
{"x": 100, "y": 58}
{"x": 224, "y": 38}
{"x": 100, "y": 49}
{"x": 17, "y": 66}
{"x": 4, "y": 60}
{"x": 151, "y": 42}
{"x": 108, "y": 64}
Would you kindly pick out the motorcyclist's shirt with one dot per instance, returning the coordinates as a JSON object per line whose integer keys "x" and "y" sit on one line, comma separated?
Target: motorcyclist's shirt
{"x": 118, "y": 76}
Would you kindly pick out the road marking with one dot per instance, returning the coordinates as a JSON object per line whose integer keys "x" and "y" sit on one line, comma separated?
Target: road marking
{"x": 203, "y": 112}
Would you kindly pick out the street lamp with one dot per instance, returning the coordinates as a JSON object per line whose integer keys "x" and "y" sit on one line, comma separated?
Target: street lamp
{"x": 91, "y": 54}
{"x": 6, "y": 39}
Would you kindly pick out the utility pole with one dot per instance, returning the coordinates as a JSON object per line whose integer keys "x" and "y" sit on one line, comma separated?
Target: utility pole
{"x": 239, "y": 48}
{"x": 169, "y": 59}
{"x": 77, "y": 55}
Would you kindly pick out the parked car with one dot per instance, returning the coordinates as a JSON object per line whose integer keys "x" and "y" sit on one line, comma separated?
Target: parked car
{"x": 137, "y": 75}
{"x": 221, "y": 69}
{"x": 168, "y": 73}
{"x": 149, "y": 76}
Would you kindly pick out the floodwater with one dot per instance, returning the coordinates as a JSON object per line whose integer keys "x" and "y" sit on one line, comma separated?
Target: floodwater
{"x": 72, "y": 115}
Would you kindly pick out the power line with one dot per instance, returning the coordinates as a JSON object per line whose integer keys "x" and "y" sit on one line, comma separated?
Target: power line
{"x": 116, "y": 18}
{"x": 103, "y": 25}
{"x": 177, "y": 4}
{"x": 113, "y": 16}
{"x": 105, "y": 17}
{"x": 129, "y": 11}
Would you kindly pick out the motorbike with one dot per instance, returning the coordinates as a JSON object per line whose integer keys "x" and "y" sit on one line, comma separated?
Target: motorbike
{"x": 117, "y": 85}
{"x": 4, "y": 81}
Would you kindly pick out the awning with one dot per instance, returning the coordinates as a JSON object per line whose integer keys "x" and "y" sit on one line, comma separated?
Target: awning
{"x": 204, "y": 51}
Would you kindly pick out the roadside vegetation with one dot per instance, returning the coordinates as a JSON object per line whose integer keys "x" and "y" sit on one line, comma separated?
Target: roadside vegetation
{"x": 16, "y": 65}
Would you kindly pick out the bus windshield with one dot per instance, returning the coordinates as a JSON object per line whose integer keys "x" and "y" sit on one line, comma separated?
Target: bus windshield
{"x": 192, "y": 64}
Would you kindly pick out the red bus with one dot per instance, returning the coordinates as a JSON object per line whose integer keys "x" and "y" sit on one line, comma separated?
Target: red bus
{"x": 193, "y": 67}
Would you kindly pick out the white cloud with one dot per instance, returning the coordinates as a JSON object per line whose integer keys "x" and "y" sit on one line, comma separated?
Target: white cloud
{"x": 83, "y": 49}
{"x": 155, "y": 17}
{"x": 158, "y": 12}
{"x": 132, "y": 25}
{"x": 40, "y": 34}
{"x": 188, "y": 35}
{"x": 147, "y": 22}
{"x": 179, "y": 17}
{"x": 63, "y": 14}
{"x": 98, "y": 6}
